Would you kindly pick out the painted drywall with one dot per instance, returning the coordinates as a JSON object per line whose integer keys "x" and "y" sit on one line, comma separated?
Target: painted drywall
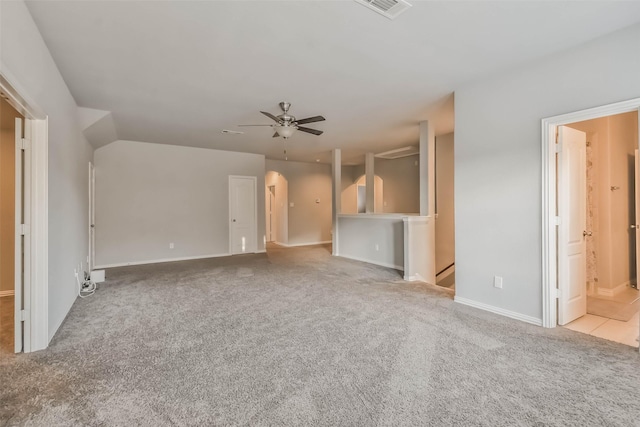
{"x": 27, "y": 64}
{"x": 498, "y": 171}
{"x": 361, "y": 195}
{"x": 377, "y": 239}
{"x": 401, "y": 179}
{"x": 280, "y": 213}
{"x": 349, "y": 195}
{"x": 7, "y": 194}
{"x": 445, "y": 224}
{"x": 309, "y": 190}
{"x": 396, "y": 186}
{"x": 610, "y": 180}
{"x": 151, "y": 195}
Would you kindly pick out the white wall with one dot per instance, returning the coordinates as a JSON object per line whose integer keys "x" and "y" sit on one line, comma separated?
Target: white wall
{"x": 396, "y": 190}
{"x": 151, "y": 195}
{"x": 28, "y": 65}
{"x": 377, "y": 239}
{"x": 401, "y": 179}
{"x": 498, "y": 162}
{"x": 308, "y": 222}
{"x": 445, "y": 224}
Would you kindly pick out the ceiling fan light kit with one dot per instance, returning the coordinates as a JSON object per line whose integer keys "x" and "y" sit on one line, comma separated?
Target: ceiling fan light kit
{"x": 284, "y": 131}
{"x": 286, "y": 124}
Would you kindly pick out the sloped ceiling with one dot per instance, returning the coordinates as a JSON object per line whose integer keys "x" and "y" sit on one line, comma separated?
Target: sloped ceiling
{"x": 178, "y": 72}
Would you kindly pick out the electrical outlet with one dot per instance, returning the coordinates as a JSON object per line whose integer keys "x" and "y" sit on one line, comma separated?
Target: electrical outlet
{"x": 171, "y": 245}
{"x": 497, "y": 282}
{"x": 377, "y": 247}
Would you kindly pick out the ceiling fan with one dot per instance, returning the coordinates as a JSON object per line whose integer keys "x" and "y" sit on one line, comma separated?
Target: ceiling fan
{"x": 286, "y": 124}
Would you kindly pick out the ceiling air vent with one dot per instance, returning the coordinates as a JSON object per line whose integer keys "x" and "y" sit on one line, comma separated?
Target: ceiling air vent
{"x": 399, "y": 152}
{"x": 389, "y": 8}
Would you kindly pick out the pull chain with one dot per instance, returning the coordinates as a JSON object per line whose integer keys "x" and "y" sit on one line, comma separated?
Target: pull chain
{"x": 284, "y": 144}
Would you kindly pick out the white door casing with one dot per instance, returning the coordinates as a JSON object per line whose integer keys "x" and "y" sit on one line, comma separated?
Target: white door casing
{"x": 637, "y": 209}
{"x": 92, "y": 218}
{"x": 572, "y": 233}
{"x": 271, "y": 211}
{"x": 19, "y": 241}
{"x": 242, "y": 214}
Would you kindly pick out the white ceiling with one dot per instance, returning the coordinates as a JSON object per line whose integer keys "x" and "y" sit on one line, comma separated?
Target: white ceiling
{"x": 178, "y": 72}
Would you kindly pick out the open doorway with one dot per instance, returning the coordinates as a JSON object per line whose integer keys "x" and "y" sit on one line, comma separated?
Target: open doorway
{"x": 276, "y": 208}
{"x": 608, "y": 306}
{"x": 589, "y": 222}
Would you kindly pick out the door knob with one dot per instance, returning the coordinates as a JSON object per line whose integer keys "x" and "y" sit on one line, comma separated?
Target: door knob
{"x": 587, "y": 233}
{"x": 634, "y": 226}
{"x": 234, "y": 220}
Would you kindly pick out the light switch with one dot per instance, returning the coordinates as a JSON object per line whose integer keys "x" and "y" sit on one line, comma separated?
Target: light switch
{"x": 317, "y": 200}
{"x": 291, "y": 204}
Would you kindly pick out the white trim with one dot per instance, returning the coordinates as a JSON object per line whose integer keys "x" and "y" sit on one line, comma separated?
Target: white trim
{"x": 368, "y": 261}
{"x": 7, "y": 293}
{"x": 20, "y": 211}
{"x": 500, "y": 311}
{"x": 157, "y": 261}
{"x": 39, "y": 312}
{"x": 415, "y": 278}
{"x": 549, "y": 243}
{"x": 612, "y": 292}
{"x": 36, "y": 292}
{"x": 295, "y": 245}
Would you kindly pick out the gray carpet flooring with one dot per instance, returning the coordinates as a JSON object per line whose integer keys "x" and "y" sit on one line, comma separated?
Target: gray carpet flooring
{"x": 298, "y": 337}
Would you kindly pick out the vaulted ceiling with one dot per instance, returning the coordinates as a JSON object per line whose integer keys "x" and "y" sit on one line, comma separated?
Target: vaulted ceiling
{"x": 179, "y": 72}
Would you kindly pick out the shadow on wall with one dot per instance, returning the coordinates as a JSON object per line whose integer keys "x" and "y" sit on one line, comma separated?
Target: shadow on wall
{"x": 276, "y": 208}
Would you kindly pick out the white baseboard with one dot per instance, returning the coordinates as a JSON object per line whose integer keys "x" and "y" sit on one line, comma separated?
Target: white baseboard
{"x": 7, "y": 293}
{"x": 157, "y": 261}
{"x": 612, "y": 292}
{"x": 382, "y": 264}
{"x": 295, "y": 245}
{"x": 500, "y": 311}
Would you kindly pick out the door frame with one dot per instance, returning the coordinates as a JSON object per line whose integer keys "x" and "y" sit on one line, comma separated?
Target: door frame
{"x": 36, "y": 285}
{"x": 255, "y": 211}
{"x": 91, "y": 256}
{"x": 549, "y": 127}
{"x": 272, "y": 202}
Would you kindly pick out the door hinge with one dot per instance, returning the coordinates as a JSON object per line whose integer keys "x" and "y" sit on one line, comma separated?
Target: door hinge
{"x": 23, "y": 229}
{"x": 24, "y": 315}
{"x": 558, "y": 293}
{"x": 558, "y": 147}
{"x": 25, "y": 144}
{"x": 557, "y": 220}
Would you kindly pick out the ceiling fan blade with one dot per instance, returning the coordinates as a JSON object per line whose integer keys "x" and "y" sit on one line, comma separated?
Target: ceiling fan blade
{"x": 254, "y": 125}
{"x": 310, "y": 120}
{"x": 271, "y": 116}
{"x": 275, "y": 135}
{"x": 308, "y": 130}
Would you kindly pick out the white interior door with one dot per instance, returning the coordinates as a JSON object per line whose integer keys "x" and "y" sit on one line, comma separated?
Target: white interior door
{"x": 572, "y": 233}
{"x": 19, "y": 237}
{"x": 242, "y": 214}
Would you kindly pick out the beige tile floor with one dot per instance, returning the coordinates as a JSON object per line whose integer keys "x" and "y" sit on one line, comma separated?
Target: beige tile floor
{"x": 609, "y": 329}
